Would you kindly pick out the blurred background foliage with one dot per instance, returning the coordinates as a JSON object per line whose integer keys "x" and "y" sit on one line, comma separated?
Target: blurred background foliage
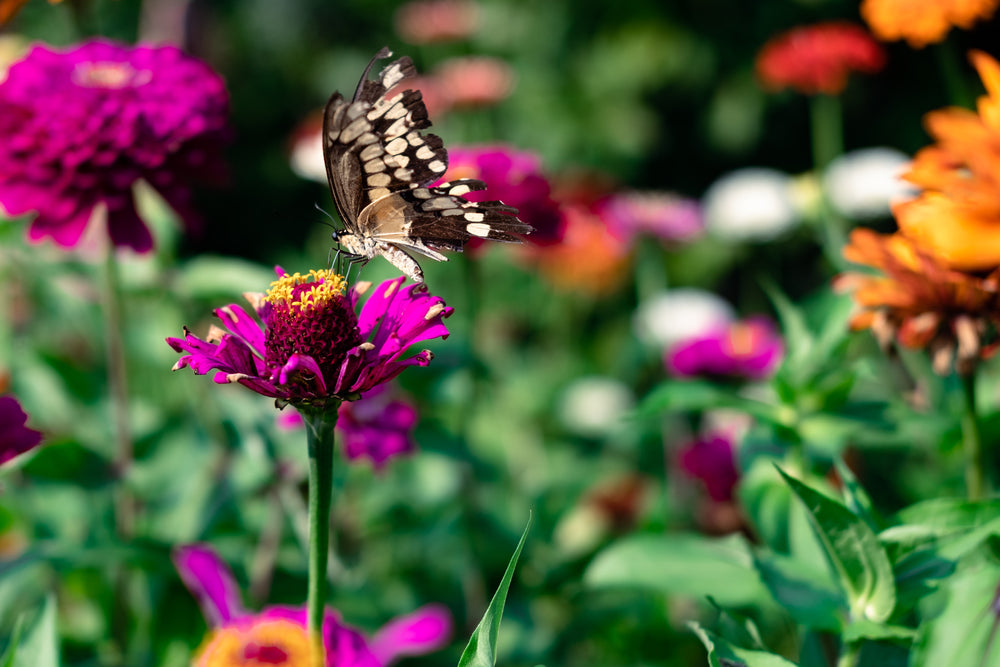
{"x": 637, "y": 94}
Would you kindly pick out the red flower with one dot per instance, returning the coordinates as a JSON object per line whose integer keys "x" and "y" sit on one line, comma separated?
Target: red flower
{"x": 817, "y": 58}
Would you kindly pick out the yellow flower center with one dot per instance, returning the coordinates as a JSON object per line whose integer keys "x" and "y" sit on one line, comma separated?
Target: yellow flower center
{"x": 263, "y": 644}
{"x": 304, "y": 292}
{"x": 111, "y": 75}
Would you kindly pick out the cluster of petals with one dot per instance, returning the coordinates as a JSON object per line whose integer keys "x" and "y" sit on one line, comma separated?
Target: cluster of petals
{"x": 377, "y": 427}
{"x": 747, "y": 349}
{"x": 277, "y": 635}
{"x": 711, "y": 459}
{"x": 514, "y": 177}
{"x": 80, "y": 127}
{"x": 15, "y": 436}
{"x": 818, "y": 58}
{"x": 311, "y": 349}
{"x": 921, "y": 303}
{"x": 923, "y": 22}
{"x": 662, "y": 215}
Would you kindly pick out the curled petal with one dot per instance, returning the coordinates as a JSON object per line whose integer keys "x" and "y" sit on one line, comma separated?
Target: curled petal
{"x": 425, "y": 630}
{"x": 211, "y": 582}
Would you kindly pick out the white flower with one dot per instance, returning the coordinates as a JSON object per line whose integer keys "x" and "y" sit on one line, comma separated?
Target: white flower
{"x": 595, "y": 406}
{"x": 307, "y": 151}
{"x": 680, "y": 314}
{"x": 862, "y": 183}
{"x": 751, "y": 204}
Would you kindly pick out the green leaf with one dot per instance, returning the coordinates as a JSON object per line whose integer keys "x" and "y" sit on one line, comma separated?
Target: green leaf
{"x": 805, "y": 590}
{"x": 858, "y": 558}
{"x": 723, "y": 654}
{"x": 481, "y": 651}
{"x": 683, "y": 395}
{"x": 866, "y": 630}
{"x": 7, "y": 659}
{"x": 857, "y": 498}
{"x": 39, "y": 644}
{"x": 682, "y": 565}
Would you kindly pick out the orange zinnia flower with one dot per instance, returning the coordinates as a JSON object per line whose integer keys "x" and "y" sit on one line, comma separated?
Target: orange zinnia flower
{"x": 922, "y": 303}
{"x": 957, "y": 216}
{"x": 923, "y": 22}
{"x": 817, "y": 58}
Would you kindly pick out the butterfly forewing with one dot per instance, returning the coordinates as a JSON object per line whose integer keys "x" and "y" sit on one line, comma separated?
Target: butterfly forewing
{"x": 380, "y": 166}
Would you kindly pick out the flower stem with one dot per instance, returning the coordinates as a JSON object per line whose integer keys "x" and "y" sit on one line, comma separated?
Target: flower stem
{"x": 976, "y": 484}
{"x": 118, "y": 385}
{"x": 319, "y": 429}
{"x": 849, "y": 655}
{"x": 826, "y": 129}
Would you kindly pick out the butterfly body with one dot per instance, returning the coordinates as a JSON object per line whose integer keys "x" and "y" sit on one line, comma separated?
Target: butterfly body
{"x": 380, "y": 167}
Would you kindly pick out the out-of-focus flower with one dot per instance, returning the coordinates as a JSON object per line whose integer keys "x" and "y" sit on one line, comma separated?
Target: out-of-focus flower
{"x": 80, "y": 127}
{"x": 377, "y": 427}
{"x": 474, "y": 81}
{"x": 957, "y": 216}
{"x": 306, "y": 149}
{"x": 817, "y": 58}
{"x": 12, "y": 49}
{"x": 432, "y": 21}
{"x": 589, "y": 258}
{"x": 313, "y": 350}
{"x": 749, "y": 348}
{"x": 920, "y": 302}
{"x": 680, "y": 314}
{"x": 595, "y": 405}
{"x": 277, "y": 635}
{"x": 610, "y": 507}
{"x": 752, "y": 204}
{"x": 663, "y": 215}
{"x": 515, "y": 178}
{"x": 863, "y": 183}
{"x": 15, "y": 437}
{"x": 711, "y": 459}
{"x": 923, "y": 22}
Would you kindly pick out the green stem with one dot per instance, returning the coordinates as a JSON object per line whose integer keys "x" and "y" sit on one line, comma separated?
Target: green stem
{"x": 319, "y": 429}
{"x": 118, "y": 386}
{"x": 955, "y": 82}
{"x": 975, "y": 471}
{"x": 826, "y": 129}
{"x": 849, "y": 654}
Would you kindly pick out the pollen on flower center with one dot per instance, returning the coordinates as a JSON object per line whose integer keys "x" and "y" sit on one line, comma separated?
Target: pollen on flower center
{"x": 306, "y": 292}
{"x": 273, "y": 642}
{"x": 110, "y": 75}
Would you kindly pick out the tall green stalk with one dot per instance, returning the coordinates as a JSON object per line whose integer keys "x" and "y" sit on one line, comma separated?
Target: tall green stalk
{"x": 319, "y": 430}
{"x": 827, "y": 134}
{"x": 114, "y": 317}
{"x": 976, "y": 483}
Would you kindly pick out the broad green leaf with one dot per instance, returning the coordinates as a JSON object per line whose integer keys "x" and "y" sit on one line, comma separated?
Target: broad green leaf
{"x": 964, "y": 633}
{"x": 481, "y": 651}
{"x": 682, "y": 565}
{"x": 723, "y": 654}
{"x": 943, "y": 516}
{"x": 858, "y": 558}
{"x": 805, "y": 590}
{"x": 866, "y": 630}
{"x": 7, "y": 659}
{"x": 856, "y": 498}
{"x": 39, "y": 644}
{"x": 766, "y": 500}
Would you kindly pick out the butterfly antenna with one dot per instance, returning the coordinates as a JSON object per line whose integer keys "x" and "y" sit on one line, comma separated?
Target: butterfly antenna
{"x": 384, "y": 52}
{"x": 332, "y": 219}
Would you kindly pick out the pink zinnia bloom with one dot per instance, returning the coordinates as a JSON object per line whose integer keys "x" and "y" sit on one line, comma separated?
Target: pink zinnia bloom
{"x": 313, "y": 350}
{"x": 817, "y": 58}
{"x": 15, "y": 437}
{"x": 474, "y": 81}
{"x": 747, "y": 349}
{"x": 79, "y": 127}
{"x": 712, "y": 460}
{"x": 666, "y": 216}
{"x": 277, "y": 635}
{"x": 514, "y": 177}
{"x": 431, "y": 21}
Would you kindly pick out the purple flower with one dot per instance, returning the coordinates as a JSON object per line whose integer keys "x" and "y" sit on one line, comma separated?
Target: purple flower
{"x": 277, "y": 635}
{"x": 746, "y": 349}
{"x": 515, "y": 178}
{"x": 711, "y": 460}
{"x": 15, "y": 437}
{"x": 666, "y": 216}
{"x": 377, "y": 427}
{"x": 313, "y": 350}
{"x": 79, "y": 127}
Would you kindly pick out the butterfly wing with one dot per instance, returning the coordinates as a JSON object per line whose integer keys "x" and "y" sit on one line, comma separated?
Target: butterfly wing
{"x": 372, "y": 145}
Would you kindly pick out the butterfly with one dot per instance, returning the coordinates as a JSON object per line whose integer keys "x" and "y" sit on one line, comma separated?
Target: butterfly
{"x": 380, "y": 167}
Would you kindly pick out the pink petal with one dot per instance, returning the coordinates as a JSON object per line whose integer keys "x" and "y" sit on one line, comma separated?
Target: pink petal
{"x": 211, "y": 582}
{"x": 425, "y": 630}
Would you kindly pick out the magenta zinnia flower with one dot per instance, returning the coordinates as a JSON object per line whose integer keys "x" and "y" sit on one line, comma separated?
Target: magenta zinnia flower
{"x": 277, "y": 635}
{"x": 79, "y": 127}
{"x": 15, "y": 437}
{"x": 747, "y": 349}
{"x": 666, "y": 216}
{"x": 313, "y": 350}
{"x": 515, "y": 178}
{"x": 377, "y": 427}
{"x": 712, "y": 460}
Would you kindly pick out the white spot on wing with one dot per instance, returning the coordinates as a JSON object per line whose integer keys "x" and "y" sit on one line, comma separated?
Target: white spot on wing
{"x": 375, "y": 165}
{"x": 354, "y": 130}
{"x": 370, "y": 153}
{"x": 480, "y": 229}
{"x": 377, "y": 193}
{"x": 474, "y": 217}
{"x": 424, "y": 153}
{"x": 379, "y": 180}
{"x": 460, "y": 190}
{"x": 396, "y": 146}
{"x": 403, "y": 174}
{"x": 437, "y": 165}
